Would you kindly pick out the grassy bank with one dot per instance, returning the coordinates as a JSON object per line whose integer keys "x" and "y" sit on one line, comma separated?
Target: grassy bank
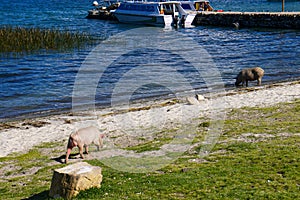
{"x": 27, "y": 40}
{"x": 257, "y": 157}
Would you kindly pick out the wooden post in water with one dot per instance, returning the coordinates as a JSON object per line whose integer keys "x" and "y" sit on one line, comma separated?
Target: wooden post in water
{"x": 283, "y": 5}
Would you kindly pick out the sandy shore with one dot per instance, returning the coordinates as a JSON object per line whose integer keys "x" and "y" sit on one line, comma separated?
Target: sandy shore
{"x": 126, "y": 124}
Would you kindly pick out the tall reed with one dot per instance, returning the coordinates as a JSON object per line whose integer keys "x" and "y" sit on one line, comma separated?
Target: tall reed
{"x": 28, "y": 40}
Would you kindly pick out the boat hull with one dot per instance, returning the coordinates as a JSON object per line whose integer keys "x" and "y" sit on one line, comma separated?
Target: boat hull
{"x": 189, "y": 19}
{"x": 153, "y": 20}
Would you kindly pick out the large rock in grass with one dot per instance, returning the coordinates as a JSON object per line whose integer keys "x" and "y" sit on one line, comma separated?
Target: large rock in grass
{"x": 68, "y": 181}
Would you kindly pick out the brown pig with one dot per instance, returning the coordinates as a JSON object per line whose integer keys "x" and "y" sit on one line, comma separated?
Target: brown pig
{"x": 250, "y": 74}
{"x": 82, "y": 138}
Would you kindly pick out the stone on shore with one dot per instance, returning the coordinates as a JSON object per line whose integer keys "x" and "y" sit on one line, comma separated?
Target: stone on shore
{"x": 68, "y": 181}
{"x": 192, "y": 101}
{"x": 200, "y": 97}
{"x": 196, "y": 99}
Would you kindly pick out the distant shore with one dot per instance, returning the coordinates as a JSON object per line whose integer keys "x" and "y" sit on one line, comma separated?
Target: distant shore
{"x": 116, "y": 123}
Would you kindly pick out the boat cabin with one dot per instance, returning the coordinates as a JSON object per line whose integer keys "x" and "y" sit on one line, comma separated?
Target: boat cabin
{"x": 198, "y": 5}
{"x": 166, "y": 8}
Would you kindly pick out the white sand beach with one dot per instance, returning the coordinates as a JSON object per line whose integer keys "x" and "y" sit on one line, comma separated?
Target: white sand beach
{"x": 124, "y": 124}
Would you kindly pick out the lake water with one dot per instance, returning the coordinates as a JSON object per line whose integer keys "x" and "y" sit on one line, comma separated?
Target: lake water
{"x": 44, "y": 82}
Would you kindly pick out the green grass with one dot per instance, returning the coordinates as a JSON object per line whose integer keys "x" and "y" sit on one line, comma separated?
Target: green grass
{"x": 271, "y": 120}
{"x": 235, "y": 169}
{"x": 20, "y": 40}
{"x": 161, "y": 138}
{"x": 251, "y": 171}
{"x": 19, "y": 184}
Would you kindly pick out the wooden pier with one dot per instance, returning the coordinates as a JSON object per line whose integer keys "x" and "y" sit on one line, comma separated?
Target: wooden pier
{"x": 283, "y": 20}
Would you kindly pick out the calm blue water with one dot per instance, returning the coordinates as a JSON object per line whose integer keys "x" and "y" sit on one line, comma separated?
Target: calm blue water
{"x": 44, "y": 82}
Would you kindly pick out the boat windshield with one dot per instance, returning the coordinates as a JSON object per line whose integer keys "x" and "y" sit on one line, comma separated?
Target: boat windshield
{"x": 186, "y": 6}
{"x": 137, "y": 7}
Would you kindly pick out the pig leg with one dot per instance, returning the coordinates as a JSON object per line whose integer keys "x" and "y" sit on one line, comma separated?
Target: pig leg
{"x": 86, "y": 149}
{"x": 81, "y": 151}
{"x": 243, "y": 82}
{"x": 246, "y": 83}
{"x": 98, "y": 146}
{"x": 259, "y": 81}
{"x": 68, "y": 154}
{"x": 101, "y": 141}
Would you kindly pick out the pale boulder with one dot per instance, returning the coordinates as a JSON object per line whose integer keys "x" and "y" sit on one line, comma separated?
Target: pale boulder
{"x": 68, "y": 181}
{"x": 192, "y": 101}
{"x": 195, "y": 100}
{"x": 200, "y": 97}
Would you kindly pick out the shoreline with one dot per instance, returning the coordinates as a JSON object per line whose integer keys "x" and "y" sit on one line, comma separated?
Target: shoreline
{"x": 148, "y": 101}
{"x": 123, "y": 124}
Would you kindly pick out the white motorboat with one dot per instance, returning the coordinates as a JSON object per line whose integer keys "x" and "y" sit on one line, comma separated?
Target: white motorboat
{"x": 154, "y": 13}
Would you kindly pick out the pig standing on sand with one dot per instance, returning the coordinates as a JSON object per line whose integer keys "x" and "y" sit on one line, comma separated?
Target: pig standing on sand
{"x": 250, "y": 74}
{"x": 82, "y": 138}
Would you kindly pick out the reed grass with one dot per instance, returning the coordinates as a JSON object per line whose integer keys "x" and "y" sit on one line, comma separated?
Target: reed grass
{"x": 29, "y": 40}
